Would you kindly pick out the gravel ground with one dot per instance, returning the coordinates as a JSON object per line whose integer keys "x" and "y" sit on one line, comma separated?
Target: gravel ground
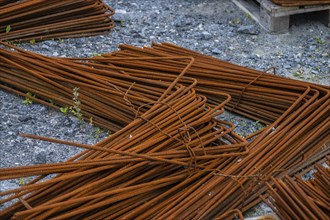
{"x": 213, "y": 27}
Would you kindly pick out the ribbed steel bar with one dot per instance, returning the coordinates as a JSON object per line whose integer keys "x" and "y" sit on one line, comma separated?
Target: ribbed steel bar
{"x": 297, "y": 199}
{"x": 288, "y": 127}
{"x": 102, "y": 98}
{"x": 176, "y": 126}
{"x": 42, "y": 19}
{"x": 258, "y": 101}
{"x": 181, "y": 162}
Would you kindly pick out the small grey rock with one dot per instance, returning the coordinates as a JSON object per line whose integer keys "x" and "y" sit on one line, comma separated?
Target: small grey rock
{"x": 206, "y": 35}
{"x": 248, "y": 29}
{"x": 40, "y": 158}
{"x": 232, "y": 34}
{"x": 120, "y": 15}
{"x": 183, "y": 21}
{"x": 312, "y": 48}
{"x": 44, "y": 46}
{"x": 51, "y": 43}
{"x": 217, "y": 51}
{"x": 24, "y": 118}
{"x": 287, "y": 66}
{"x": 143, "y": 41}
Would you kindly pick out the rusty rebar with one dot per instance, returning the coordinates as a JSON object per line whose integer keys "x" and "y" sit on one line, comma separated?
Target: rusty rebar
{"x": 39, "y": 20}
{"x": 181, "y": 162}
{"x": 293, "y": 198}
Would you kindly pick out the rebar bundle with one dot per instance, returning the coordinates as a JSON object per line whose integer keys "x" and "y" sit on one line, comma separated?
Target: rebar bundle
{"x": 169, "y": 157}
{"x": 254, "y": 93}
{"x": 177, "y": 137}
{"x": 42, "y": 19}
{"x": 296, "y": 199}
{"x": 300, "y": 129}
{"x": 107, "y": 96}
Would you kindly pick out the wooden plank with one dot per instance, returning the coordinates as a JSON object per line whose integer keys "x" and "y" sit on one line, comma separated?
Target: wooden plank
{"x": 279, "y": 11}
{"x": 249, "y": 7}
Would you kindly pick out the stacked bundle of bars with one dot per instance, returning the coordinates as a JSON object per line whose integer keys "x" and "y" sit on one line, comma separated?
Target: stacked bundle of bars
{"x": 42, "y": 19}
{"x": 174, "y": 144}
{"x": 172, "y": 159}
{"x": 296, "y": 199}
{"x": 299, "y": 130}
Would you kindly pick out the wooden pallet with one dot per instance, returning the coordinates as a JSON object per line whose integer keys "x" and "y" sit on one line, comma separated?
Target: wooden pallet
{"x": 275, "y": 18}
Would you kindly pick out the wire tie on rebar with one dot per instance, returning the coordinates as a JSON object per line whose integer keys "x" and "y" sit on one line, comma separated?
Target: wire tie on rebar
{"x": 25, "y": 203}
{"x": 271, "y": 68}
{"x": 199, "y": 138}
{"x": 243, "y": 90}
{"x": 128, "y": 102}
{"x": 189, "y": 149}
{"x": 184, "y": 137}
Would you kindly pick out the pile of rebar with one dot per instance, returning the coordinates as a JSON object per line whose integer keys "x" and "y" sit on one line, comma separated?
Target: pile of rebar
{"x": 296, "y": 199}
{"x": 169, "y": 157}
{"x": 299, "y": 132}
{"x": 291, "y": 3}
{"x": 106, "y": 96}
{"x": 254, "y": 93}
{"x": 42, "y": 19}
{"x": 172, "y": 146}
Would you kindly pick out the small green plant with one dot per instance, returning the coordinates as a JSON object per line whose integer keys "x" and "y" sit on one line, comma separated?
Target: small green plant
{"x": 72, "y": 110}
{"x": 248, "y": 15}
{"x": 97, "y": 133}
{"x": 91, "y": 121}
{"x": 52, "y": 102}
{"x": 296, "y": 74}
{"x": 33, "y": 41}
{"x": 256, "y": 123}
{"x": 257, "y": 126}
{"x": 21, "y": 181}
{"x": 76, "y": 104}
{"x": 243, "y": 123}
{"x": 8, "y": 28}
{"x": 64, "y": 110}
{"x": 319, "y": 40}
{"x": 14, "y": 43}
{"x": 97, "y": 55}
{"x": 28, "y": 100}
{"x": 240, "y": 134}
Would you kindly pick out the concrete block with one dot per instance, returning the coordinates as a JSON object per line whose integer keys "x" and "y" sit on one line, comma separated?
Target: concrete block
{"x": 276, "y": 25}
{"x": 275, "y": 18}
